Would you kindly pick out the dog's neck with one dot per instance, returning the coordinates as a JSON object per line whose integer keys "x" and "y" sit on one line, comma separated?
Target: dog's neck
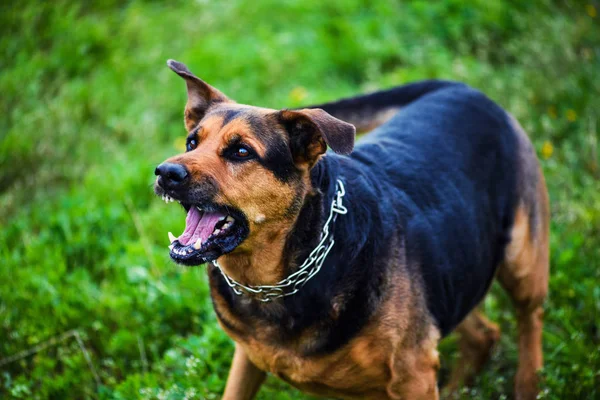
{"x": 261, "y": 265}
{"x": 276, "y": 252}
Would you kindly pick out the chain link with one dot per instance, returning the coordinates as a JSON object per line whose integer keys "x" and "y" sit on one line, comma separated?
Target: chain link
{"x": 311, "y": 266}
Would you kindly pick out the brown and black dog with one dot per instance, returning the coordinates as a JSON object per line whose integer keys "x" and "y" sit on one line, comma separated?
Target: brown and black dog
{"x": 340, "y": 271}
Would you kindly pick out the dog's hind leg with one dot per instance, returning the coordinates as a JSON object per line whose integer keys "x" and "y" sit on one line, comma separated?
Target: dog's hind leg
{"x": 524, "y": 272}
{"x": 477, "y": 337}
{"x": 524, "y": 275}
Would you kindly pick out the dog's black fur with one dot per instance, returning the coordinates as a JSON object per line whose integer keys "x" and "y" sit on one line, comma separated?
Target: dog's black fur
{"x": 437, "y": 184}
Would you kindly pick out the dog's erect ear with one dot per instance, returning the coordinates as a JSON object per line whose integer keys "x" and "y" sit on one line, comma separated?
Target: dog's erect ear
{"x": 200, "y": 94}
{"x": 311, "y": 130}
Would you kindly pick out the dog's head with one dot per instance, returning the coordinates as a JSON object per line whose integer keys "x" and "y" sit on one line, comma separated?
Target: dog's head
{"x": 245, "y": 172}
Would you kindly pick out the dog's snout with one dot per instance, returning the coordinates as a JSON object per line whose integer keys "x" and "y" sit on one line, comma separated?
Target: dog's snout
{"x": 171, "y": 174}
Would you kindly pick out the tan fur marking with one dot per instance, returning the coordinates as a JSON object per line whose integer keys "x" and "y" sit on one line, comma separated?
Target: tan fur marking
{"x": 375, "y": 120}
{"x": 524, "y": 273}
{"x": 244, "y": 378}
{"x": 477, "y": 337}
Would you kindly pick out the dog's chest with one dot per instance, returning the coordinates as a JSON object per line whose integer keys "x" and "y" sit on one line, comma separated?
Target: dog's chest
{"x": 361, "y": 369}
{"x": 361, "y": 366}
{"x": 357, "y": 369}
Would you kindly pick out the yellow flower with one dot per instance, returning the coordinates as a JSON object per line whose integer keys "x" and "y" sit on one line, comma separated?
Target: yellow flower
{"x": 547, "y": 150}
{"x": 571, "y": 115}
{"x": 298, "y": 94}
{"x": 552, "y": 112}
{"x": 591, "y": 10}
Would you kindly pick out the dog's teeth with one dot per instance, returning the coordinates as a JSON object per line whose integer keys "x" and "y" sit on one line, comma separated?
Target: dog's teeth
{"x": 229, "y": 218}
{"x": 189, "y": 251}
{"x": 172, "y": 238}
{"x": 199, "y": 209}
{"x": 171, "y": 246}
{"x": 222, "y": 218}
{"x": 198, "y": 244}
{"x": 216, "y": 232}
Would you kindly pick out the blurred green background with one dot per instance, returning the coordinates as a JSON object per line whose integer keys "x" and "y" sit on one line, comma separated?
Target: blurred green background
{"x": 88, "y": 109}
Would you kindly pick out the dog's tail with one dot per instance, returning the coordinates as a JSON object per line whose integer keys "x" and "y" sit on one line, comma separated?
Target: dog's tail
{"x": 366, "y": 112}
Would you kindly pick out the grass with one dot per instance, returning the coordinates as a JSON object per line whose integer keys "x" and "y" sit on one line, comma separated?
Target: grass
{"x": 88, "y": 109}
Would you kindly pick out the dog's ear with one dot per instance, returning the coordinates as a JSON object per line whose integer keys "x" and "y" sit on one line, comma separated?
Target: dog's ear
{"x": 200, "y": 94}
{"x": 311, "y": 130}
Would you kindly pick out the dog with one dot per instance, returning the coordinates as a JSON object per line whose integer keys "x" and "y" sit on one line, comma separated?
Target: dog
{"x": 340, "y": 271}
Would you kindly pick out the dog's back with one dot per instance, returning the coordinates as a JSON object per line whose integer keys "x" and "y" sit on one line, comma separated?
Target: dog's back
{"x": 446, "y": 169}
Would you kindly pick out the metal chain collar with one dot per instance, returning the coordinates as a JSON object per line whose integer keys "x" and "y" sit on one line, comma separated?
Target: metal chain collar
{"x": 311, "y": 266}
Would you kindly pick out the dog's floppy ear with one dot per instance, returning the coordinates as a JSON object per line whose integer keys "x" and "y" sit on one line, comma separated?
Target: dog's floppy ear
{"x": 200, "y": 94}
{"x": 311, "y": 130}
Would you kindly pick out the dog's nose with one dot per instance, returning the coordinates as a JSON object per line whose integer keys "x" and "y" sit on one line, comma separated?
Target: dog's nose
{"x": 171, "y": 174}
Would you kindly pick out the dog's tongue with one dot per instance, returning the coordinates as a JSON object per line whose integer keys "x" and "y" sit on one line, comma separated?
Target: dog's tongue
{"x": 199, "y": 225}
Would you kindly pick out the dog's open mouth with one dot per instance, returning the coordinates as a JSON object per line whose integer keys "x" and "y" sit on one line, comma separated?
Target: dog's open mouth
{"x": 208, "y": 234}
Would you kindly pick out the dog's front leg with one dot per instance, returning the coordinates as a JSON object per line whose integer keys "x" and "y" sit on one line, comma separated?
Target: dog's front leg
{"x": 244, "y": 377}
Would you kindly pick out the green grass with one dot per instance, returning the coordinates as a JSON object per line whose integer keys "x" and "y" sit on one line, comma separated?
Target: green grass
{"x": 88, "y": 109}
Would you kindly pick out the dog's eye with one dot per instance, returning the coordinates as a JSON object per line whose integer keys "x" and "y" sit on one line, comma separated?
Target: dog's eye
{"x": 241, "y": 152}
{"x": 191, "y": 144}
